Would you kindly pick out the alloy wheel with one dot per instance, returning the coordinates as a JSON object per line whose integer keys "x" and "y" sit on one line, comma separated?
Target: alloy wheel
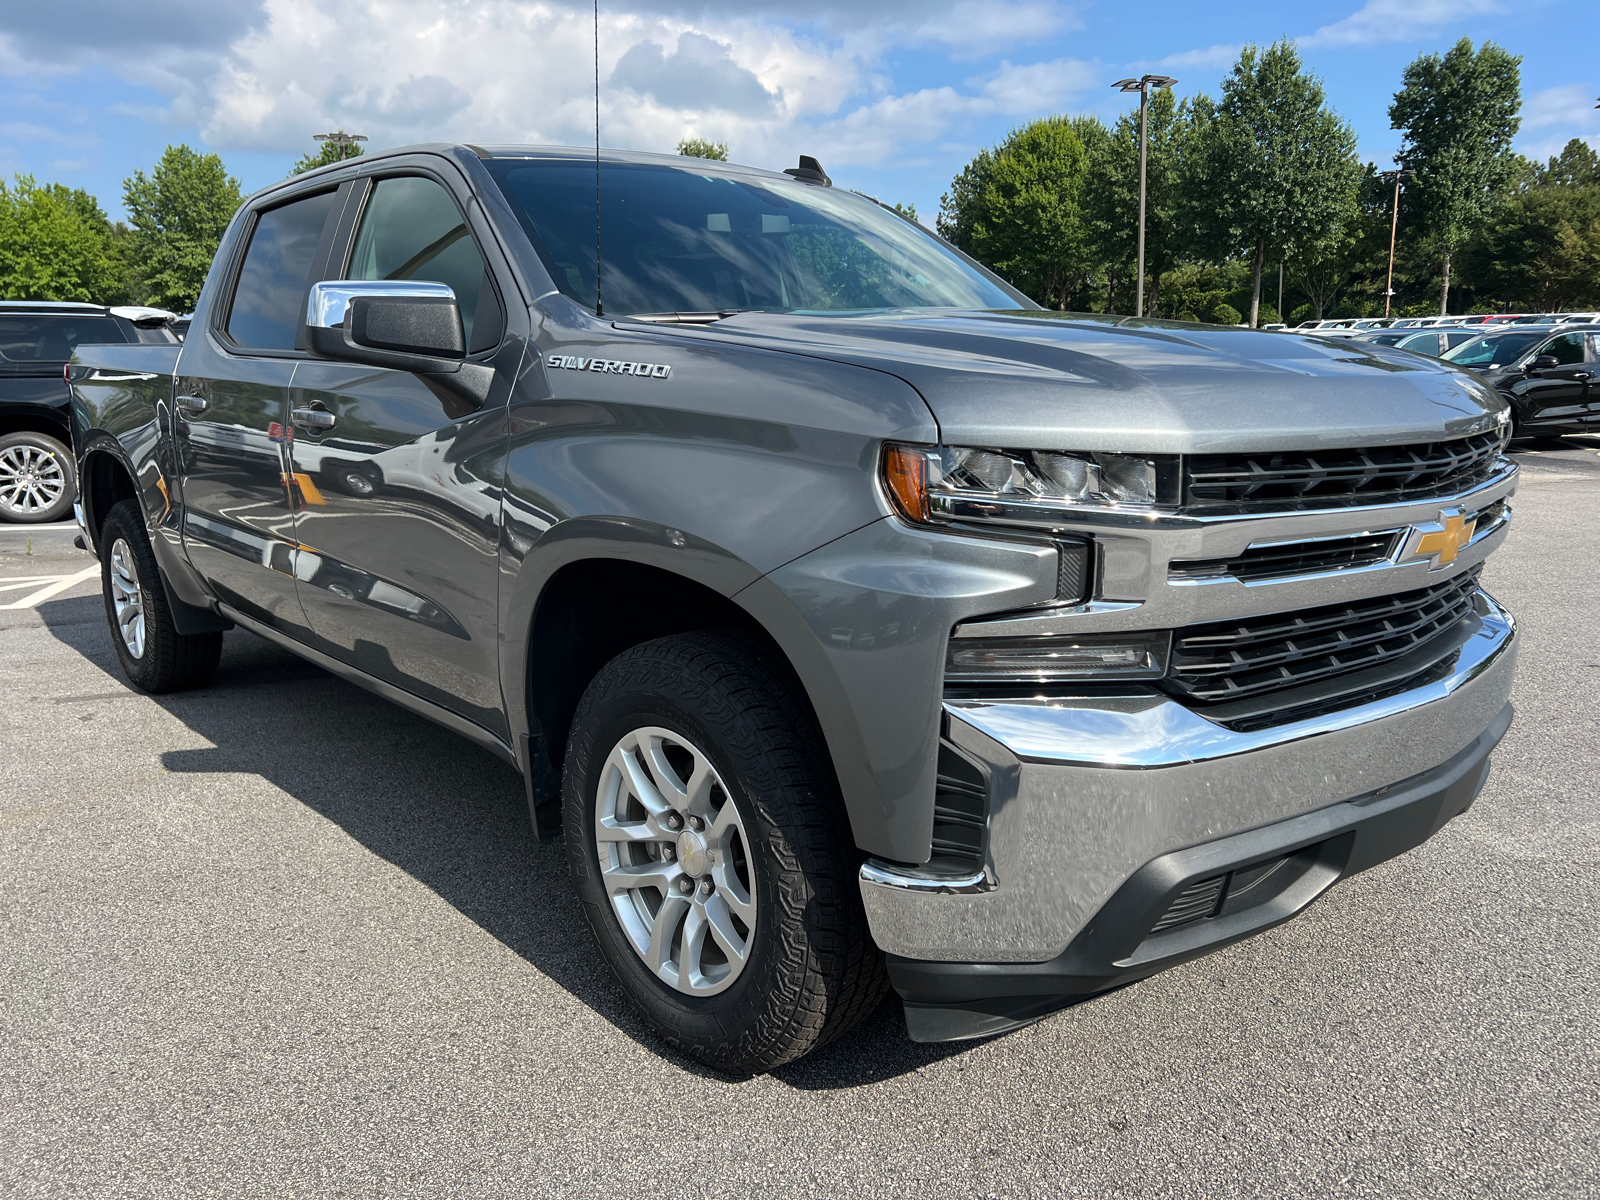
{"x": 127, "y": 598}
{"x": 674, "y": 861}
{"x": 31, "y": 479}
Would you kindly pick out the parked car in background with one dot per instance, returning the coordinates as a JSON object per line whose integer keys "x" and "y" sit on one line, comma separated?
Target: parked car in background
{"x": 37, "y": 337}
{"x": 1433, "y": 342}
{"x": 1384, "y": 337}
{"x": 1547, "y": 378}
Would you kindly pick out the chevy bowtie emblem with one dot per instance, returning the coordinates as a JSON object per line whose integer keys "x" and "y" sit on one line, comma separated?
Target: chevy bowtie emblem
{"x": 1444, "y": 539}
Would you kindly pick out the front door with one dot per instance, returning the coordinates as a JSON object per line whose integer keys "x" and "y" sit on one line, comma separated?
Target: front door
{"x": 231, "y": 410}
{"x": 1555, "y": 395}
{"x": 399, "y": 487}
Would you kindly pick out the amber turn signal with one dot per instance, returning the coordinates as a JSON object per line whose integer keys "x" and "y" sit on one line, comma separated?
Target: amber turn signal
{"x": 905, "y": 478}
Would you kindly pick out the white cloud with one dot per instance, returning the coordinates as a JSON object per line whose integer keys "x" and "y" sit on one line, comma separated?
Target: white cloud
{"x": 1210, "y": 58}
{"x": 1573, "y": 104}
{"x": 1396, "y": 21}
{"x": 981, "y": 28}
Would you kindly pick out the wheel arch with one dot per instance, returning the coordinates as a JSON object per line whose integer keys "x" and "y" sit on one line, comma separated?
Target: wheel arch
{"x": 596, "y": 587}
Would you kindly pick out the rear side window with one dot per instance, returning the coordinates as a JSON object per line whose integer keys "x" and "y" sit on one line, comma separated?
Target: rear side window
{"x": 1568, "y": 349}
{"x": 412, "y": 229}
{"x": 269, "y": 299}
{"x": 53, "y": 339}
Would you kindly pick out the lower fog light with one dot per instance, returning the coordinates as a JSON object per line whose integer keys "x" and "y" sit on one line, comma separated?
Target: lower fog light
{"x": 1050, "y": 659}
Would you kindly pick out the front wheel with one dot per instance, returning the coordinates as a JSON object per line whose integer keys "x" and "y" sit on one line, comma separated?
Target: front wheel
{"x": 154, "y": 655}
{"x": 708, "y": 843}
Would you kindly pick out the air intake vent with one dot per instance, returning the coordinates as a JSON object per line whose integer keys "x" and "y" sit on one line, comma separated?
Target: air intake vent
{"x": 1194, "y": 903}
{"x": 960, "y": 812}
{"x": 1072, "y": 581}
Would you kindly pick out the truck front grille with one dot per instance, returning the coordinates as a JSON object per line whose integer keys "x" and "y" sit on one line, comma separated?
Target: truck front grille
{"x": 1298, "y": 558}
{"x": 1301, "y": 479}
{"x": 1231, "y": 660}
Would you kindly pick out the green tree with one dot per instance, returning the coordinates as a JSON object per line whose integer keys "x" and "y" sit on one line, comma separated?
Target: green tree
{"x": 1019, "y": 209}
{"x": 1457, "y": 114}
{"x": 55, "y": 244}
{"x": 326, "y": 154}
{"x": 1281, "y": 169}
{"x": 693, "y": 147}
{"x": 1575, "y": 166}
{"x": 178, "y": 214}
{"x": 1542, "y": 248}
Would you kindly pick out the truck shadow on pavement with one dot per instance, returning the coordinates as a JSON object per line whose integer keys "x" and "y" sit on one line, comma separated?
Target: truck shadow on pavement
{"x": 449, "y": 814}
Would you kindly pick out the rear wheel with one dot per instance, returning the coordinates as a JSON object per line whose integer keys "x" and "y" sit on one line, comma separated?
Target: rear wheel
{"x": 37, "y": 480}
{"x": 708, "y": 843}
{"x": 154, "y": 655}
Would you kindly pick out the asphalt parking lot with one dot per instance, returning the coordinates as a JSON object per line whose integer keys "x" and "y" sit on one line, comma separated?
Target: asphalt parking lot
{"x": 279, "y": 938}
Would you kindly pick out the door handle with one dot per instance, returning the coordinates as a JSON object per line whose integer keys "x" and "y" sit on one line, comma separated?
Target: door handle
{"x": 1581, "y": 374}
{"x": 313, "y": 418}
{"x": 193, "y": 404}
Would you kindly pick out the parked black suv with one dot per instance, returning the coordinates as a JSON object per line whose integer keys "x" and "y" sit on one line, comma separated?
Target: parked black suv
{"x": 1547, "y": 377}
{"x": 37, "y": 337}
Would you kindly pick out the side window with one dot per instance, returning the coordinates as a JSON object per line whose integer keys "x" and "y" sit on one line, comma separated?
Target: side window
{"x": 412, "y": 229}
{"x": 269, "y": 299}
{"x": 53, "y": 339}
{"x": 1568, "y": 348}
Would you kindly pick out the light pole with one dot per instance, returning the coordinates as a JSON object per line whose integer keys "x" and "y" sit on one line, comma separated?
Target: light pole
{"x": 340, "y": 139}
{"x": 1394, "y": 228}
{"x": 1142, "y": 85}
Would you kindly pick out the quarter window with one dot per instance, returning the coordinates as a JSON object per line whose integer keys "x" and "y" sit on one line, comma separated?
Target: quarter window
{"x": 52, "y": 339}
{"x": 412, "y": 229}
{"x": 270, "y": 298}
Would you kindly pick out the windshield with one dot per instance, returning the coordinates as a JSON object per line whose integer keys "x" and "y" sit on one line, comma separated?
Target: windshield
{"x": 674, "y": 240}
{"x": 1492, "y": 351}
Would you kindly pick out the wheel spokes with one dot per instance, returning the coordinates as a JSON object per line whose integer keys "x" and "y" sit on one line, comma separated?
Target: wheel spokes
{"x": 734, "y": 945}
{"x": 697, "y": 940}
{"x": 658, "y": 955}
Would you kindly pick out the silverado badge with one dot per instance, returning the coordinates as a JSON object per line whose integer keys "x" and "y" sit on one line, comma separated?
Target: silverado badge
{"x": 607, "y": 366}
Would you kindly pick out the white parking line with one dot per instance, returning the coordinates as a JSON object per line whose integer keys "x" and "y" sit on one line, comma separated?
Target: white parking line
{"x": 54, "y": 585}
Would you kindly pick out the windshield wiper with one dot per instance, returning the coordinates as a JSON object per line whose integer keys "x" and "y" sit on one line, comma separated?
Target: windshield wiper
{"x": 689, "y": 318}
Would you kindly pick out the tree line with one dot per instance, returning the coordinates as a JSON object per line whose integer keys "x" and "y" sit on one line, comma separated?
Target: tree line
{"x": 56, "y": 242}
{"x": 1259, "y": 209}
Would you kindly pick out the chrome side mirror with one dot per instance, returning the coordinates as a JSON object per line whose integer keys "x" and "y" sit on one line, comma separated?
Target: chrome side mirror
{"x": 401, "y": 324}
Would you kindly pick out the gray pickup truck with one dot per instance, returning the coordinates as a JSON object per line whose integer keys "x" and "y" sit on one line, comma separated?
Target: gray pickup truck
{"x": 856, "y": 622}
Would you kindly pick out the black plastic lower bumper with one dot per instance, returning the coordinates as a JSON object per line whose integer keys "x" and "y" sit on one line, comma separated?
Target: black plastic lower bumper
{"x": 1190, "y": 902}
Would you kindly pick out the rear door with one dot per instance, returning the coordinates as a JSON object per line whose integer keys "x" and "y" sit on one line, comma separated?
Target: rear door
{"x": 400, "y": 523}
{"x": 232, "y": 413}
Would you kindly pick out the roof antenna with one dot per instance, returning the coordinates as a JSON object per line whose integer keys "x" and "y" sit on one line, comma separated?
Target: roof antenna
{"x": 599, "y": 304}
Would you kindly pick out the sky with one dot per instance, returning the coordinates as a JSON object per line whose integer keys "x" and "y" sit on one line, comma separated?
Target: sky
{"x": 893, "y": 97}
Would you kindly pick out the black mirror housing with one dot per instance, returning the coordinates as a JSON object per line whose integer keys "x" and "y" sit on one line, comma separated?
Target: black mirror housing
{"x": 1544, "y": 362}
{"x": 402, "y": 327}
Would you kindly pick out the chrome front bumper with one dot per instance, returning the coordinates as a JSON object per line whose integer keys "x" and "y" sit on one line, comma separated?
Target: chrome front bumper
{"x": 1085, "y": 791}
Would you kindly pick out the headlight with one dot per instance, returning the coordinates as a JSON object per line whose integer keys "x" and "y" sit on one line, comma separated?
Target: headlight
{"x": 1027, "y": 487}
{"x": 1064, "y": 657}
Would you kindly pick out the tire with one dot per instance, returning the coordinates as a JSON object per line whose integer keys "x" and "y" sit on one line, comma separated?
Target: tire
{"x": 782, "y": 866}
{"x": 38, "y": 479}
{"x": 155, "y": 656}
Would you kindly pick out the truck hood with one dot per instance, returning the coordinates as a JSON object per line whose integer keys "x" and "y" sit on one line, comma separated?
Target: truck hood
{"x": 1034, "y": 379}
